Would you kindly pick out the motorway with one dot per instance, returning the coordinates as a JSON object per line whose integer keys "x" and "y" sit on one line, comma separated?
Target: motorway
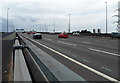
{"x": 100, "y": 54}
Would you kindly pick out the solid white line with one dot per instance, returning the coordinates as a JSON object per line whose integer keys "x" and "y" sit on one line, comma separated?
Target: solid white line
{"x": 66, "y": 43}
{"x": 104, "y": 52}
{"x": 83, "y": 65}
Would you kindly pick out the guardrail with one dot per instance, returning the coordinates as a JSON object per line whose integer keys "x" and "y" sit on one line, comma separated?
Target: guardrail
{"x": 21, "y": 72}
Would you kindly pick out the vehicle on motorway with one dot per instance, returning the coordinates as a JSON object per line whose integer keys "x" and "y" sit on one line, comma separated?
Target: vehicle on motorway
{"x": 76, "y": 34}
{"x": 28, "y": 32}
{"x": 115, "y": 34}
{"x": 63, "y": 35}
{"x": 33, "y": 32}
{"x": 52, "y": 33}
{"x": 37, "y": 36}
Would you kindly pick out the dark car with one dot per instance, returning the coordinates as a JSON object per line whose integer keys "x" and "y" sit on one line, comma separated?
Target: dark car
{"x": 63, "y": 35}
{"x": 37, "y": 36}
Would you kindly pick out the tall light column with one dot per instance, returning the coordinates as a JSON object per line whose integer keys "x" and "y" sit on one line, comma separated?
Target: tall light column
{"x": 106, "y": 18}
{"x": 7, "y": 18}
{"x": 54, "y": 25}
{"x": 69, "y": 24}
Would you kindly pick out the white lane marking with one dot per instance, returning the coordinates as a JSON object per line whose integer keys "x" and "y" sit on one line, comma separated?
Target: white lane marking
{"x": 74, "y": 55}
{"x": 48, "y": 39}
{"x": 86, "y": 60}
{"x": 100, "y": 41}
{"x": 83, "y": 65}
{"x": 106, "y": 68}
{"x": 66, "y": 43}
{"x": 85, "y": 42}
{"x": 103, "y": 52}
{"x": 63, "y": 39}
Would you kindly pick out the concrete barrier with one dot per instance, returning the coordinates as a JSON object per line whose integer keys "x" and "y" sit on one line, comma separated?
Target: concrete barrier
{"x": 21, "y": 72}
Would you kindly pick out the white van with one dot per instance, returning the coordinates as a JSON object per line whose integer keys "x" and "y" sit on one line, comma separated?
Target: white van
{"x": 76, "y": 34}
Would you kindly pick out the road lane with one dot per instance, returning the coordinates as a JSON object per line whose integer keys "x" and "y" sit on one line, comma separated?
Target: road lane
{"x": 105, "y": 44}
{"x": 101, "y": 62}
{"x": 104, "y": 52}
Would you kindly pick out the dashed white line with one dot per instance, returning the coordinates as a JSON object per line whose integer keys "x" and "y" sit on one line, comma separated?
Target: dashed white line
{"x": 103, "y": 52}
{"x": 63, "y": 39}
{"x": 85, "y": 42}
{"x": 48, "y": 39}
{"x": 66, "y": 43}
{"x": 105, "y": 68}
{"x": 86, "y": 60}
{"x": 100, "y": 41}
{"x": 74, "y": 55}
{"x": 77, "y": 62}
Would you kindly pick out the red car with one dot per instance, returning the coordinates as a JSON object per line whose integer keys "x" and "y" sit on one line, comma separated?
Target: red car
{"x": 28, "y": 32}
{"x": 63, "y": 35}
{"x": 33, "y": 32}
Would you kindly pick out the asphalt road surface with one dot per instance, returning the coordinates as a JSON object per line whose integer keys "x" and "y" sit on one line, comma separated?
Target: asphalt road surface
{"x": 100, "y": 54}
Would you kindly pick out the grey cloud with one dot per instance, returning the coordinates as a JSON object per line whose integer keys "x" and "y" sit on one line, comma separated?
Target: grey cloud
{"x": 33, "y": 19}
{"x": 27, "y": 18}
{"x": 3, "y": 25}
{"x": 21, "y": 18}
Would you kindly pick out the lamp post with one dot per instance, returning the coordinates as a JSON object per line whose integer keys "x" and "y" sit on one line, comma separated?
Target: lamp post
{"x": 106, "y": 18}
{"x": 69, "y": 24}
{"x": 7, "y": 18}
{"x": 53, "y": 25}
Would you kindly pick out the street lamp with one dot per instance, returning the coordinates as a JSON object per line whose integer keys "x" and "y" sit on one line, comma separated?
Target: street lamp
{"x": 54, "y": 25}
{"x": 106, "y": 17}
{"x": 7, "y": 19}
{"x": 69, "y": 25}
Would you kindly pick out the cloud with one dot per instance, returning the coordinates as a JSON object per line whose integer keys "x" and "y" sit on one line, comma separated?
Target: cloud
{"x": 3, "y": 25}
{"x": 84, "y": 13}
{"x": 26, "y": 18}
{"x": 21, "y": 18}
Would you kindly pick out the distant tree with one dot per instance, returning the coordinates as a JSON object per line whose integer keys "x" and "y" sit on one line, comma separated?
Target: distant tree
{"x": 85, "y": 31}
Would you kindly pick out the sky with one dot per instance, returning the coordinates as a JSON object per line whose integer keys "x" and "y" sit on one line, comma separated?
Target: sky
{"x": 42, "y": 15}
